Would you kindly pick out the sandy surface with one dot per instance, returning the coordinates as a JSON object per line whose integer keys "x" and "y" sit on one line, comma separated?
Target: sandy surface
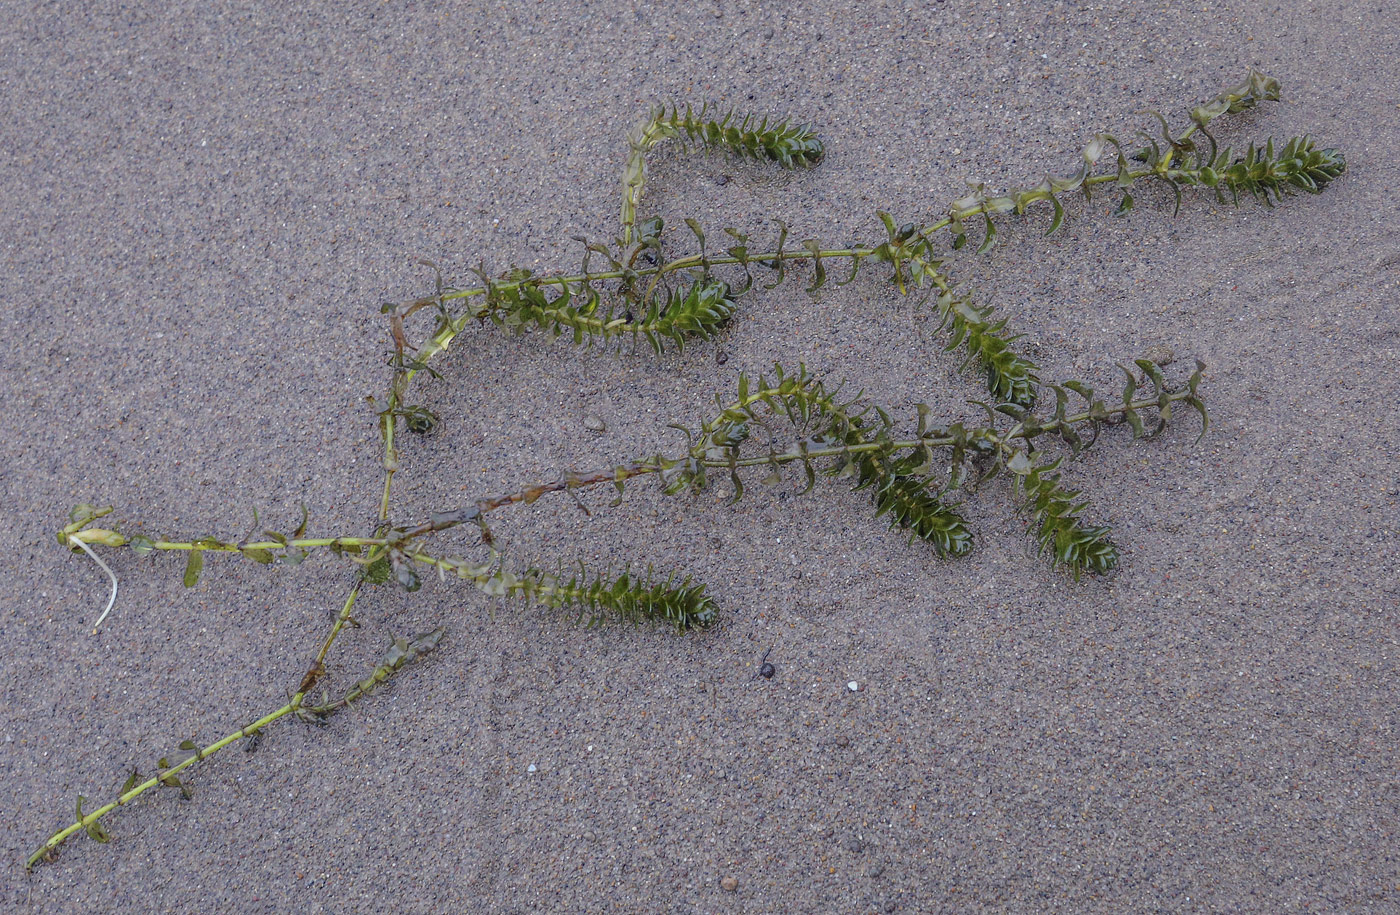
{"x": 200, "y": 212}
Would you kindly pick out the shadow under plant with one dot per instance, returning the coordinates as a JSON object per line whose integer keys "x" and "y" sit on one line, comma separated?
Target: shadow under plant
{"x": 636, "y": 287}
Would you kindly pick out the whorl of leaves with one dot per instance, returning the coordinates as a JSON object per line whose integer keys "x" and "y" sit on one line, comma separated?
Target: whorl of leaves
{"x": 577, "y": 311}
{"x": 1297, "y": 166}
{"x": 1011, "y": 377}
{"x": 1180, "y": 161}
{"x": 898, "y": 489}
{"x": 899, "y": 485}
{"x": 1059, "y": 533}
{"x": 698, "y": 310}
{"x": 1255, "y": 88}
{"x": 633, "y": 599}
{"x": 789, "y": 145}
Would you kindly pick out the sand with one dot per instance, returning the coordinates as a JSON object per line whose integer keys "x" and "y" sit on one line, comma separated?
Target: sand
{"x": 202, "y": 211}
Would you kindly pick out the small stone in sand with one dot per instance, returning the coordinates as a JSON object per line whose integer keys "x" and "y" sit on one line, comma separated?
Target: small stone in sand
{"x": 729, "y": 884}
{"x": 1161, "y": 355}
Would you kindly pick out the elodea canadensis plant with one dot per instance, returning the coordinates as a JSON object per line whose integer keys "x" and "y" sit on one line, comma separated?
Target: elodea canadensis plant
{"x": 638, "y": 288}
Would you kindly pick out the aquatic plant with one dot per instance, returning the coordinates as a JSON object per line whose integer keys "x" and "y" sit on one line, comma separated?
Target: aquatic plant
{"x": 636, "y": 288}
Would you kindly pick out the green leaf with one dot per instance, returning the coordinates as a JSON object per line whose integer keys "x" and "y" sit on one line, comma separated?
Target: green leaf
{"x": 1130, "y": 385}
{"x": 819, "y": 271}
{"x": 405, "y": 575}
{"x": 193, "y": 566}
{"x": 991, "y": 237}
{"x": 1152, "y": 371}
{"x": 301, "y": 528}
{"x": 257, "y": 555}
{"x": 699, "y": 233}
{"x": 1080, "y": 388}
{"x": 1059, "y": 215}
{"x": 1136, "y": 422}
{"x": 170, "y": 781}
{"x": 1201, "y": 409}
{"x": 142, "y": 544}
{"x": 188, "y": 745}
{"x": 777, "y": 263}
{"x": 132, "y": 781}
{"x": 1125, "y": 205}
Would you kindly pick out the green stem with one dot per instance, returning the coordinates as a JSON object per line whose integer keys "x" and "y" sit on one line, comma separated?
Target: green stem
{"x": 652, "y": 130}
{"x": 62, "y": 835}
{"x": 219, "y": 546}
{"x": 391, "y": 454}
{"x": 648, "y": 466}
{"x": 542, "y": 591}
{"x": 444, "y": 336}
{"x": 318, "y": 666}
{"x": 314, "y": 674}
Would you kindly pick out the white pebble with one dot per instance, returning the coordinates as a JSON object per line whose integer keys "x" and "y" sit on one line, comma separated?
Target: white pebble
{"x": 530, "y": 768}
{"x": 853, "y": 686}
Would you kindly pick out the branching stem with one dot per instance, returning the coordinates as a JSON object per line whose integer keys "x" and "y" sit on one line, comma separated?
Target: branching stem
{"x": 163, "y": 776}
{"x": 166, "y": 775}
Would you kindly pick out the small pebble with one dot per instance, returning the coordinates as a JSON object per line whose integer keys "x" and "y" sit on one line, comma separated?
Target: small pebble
{"x": 843, "y": 741}
{"x": 1161, "y": 355}
{"x": 853, "y": 686}
{"x": 874, "y": 869}
{"x": 530, "y": 768}
{"x": 594, "y": 424}
{"x": 767, "y": 33}
{"x": 729, "y": 884}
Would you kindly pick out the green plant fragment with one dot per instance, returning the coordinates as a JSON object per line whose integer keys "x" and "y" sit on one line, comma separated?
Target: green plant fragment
{"x": 377, "y": 572}
{"x": 193, "y": 566}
